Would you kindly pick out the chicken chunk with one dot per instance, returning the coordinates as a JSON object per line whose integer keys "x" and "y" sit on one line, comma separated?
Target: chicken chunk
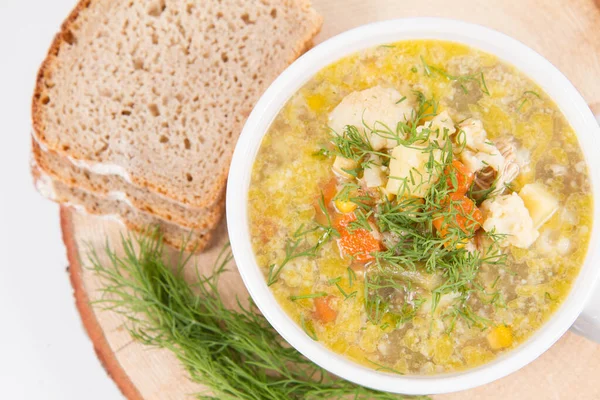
{"x": 478, "y": 161}
{"x": 374, "y": 173}
{"x": 476, "y": 137}
{"x": 441, "y": 127}
{"x": 376, "y": 108}
{"x": 507, "y": 215}
{"x": 479, "y": 152}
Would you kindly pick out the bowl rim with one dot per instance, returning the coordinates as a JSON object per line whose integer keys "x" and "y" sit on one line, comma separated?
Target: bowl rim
{"x": 547, "y": 76}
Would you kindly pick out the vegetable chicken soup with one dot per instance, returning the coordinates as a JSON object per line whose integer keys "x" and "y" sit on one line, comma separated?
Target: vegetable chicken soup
{"x": 420, "y": 207}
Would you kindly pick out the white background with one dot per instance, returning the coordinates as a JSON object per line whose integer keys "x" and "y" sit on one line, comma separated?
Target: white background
{"x": 44, "y": 351}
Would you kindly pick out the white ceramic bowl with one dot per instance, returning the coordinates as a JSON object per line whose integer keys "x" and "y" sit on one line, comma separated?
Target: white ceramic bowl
{"x": 535, "y": 66}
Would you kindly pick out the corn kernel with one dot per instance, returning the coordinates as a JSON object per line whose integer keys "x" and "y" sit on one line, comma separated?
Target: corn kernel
{"x": 345, "y": 206}
{"x": 462, "y": 243}
{"x": 316, "y": 102}
{"x": 500, "y": 337}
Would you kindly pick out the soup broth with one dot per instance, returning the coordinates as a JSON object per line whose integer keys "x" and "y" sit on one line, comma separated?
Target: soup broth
{"x": 420, "y": 207}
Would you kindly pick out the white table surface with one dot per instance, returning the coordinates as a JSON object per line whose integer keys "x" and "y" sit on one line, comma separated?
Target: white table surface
{"x": 44, "y": 351}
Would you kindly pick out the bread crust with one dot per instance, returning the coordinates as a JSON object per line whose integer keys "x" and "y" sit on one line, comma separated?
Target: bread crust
{"x": 206, "y": 218}
{"x": 58, "y": 40}
{"x": 213, "y": 194}
{"x": 174, "y": 236}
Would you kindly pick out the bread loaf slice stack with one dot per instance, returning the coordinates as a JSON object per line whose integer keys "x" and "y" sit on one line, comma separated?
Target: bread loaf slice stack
{"x": 139, "y": 103}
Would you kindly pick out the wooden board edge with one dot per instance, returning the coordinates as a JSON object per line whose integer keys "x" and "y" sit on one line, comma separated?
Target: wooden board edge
{"x": 88, "y": 316}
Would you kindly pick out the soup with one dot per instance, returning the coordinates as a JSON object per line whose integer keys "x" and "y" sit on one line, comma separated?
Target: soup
{"x": 420, "y": 207}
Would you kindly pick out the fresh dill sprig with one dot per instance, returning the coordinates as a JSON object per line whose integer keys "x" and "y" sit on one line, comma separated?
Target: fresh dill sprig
{"x": 353, "y": 144}
{"x": 525, "y": 99}
{"x": 351, "y": 276}
{"x": 478, "y": 77}
{"x": 236, "y": 353}
{"x": 297, "y": 247}
{"x": 384, "y": 368}
{"x": 379, "y": 303}
{"x": 333, "y": 281}
{"x": 308, "y": 296}
{"x": 322, "y": 153}
{"x": 481, "y": 195}
{"x": 308, "y": 328}
{"x": 292, "y": 252}
{"x": 348, "y": 189}
{"x": 361, "y": 221}
{"x": 343, "y": 292}
{"x": 419, "y": 247}
{"x": 533, "y": 93}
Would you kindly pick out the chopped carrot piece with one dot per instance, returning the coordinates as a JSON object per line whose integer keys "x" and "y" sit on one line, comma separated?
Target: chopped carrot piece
{"x": 467, "y": 216}
{"x": 267, "y": 230}
{"x": 341, "y": 222}
{"x": 439, "y": 225}
{"x": 329, "y": 191}
{"x": 464, "y": 178}
{"x": 323, "y": 310}
{"x": 358, "y": 243}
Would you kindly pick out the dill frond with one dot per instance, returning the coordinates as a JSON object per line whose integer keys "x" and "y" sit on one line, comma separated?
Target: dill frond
{"x": 236, "y": 353}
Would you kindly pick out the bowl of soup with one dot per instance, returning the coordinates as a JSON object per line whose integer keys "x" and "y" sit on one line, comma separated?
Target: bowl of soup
{"x": 412, "y": 205}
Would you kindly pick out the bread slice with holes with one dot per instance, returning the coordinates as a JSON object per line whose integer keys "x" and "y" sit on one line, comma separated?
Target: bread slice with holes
{"x": 62, "y": 170}
{"x": 157, "y": 91}
{"x": 135, "y": 220}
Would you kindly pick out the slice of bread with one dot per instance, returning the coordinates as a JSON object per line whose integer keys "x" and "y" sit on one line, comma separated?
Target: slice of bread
{"x": 62, "y": 170}
{"x": 173, "y": 235}
{"x": 157, "y": 91}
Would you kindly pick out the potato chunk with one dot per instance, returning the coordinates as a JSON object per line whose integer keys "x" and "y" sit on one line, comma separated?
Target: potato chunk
{"x": 441, "y": 127}
{"x": 540, "y": 202}
{"x": 409, "y": 175}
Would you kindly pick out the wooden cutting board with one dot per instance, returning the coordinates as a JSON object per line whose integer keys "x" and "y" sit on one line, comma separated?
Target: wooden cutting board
{"x": 567, "y": 32}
